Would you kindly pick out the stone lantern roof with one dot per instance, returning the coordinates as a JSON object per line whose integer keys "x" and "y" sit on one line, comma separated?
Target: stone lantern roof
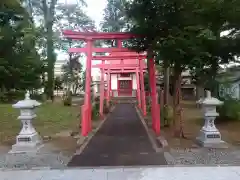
{"x": 26, "y": 103}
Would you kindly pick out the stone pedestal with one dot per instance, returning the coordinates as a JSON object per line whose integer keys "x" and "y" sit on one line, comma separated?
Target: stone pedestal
{"x": 28, "y": 140}
{"x": 209, "y": 135}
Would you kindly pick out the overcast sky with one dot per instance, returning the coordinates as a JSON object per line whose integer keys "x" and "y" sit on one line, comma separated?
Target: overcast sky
{"x": 95, "y": 9}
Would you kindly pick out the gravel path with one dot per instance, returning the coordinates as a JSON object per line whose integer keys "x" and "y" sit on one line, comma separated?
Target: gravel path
{"x": 202, "y": 156}
{"x": 48, "y": 157}
{"x": 29, "y": 161}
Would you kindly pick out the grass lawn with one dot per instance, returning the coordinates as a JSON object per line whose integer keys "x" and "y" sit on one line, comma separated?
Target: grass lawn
{"x": 51, "y": 119}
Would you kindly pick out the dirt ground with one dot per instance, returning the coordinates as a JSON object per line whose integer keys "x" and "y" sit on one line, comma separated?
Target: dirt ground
{"x": 193, "y": 122}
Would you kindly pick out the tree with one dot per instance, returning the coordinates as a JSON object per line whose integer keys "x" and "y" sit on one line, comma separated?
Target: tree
{"x": 186, "y": 34}
{"x": 72, "y": 76}
{"x": 48, "y": 14}
{"x": 58, "y": 84}
{"x": 114, "y": 19}
{"x": 20, "y": 65}
{"x": 114, "y": 16}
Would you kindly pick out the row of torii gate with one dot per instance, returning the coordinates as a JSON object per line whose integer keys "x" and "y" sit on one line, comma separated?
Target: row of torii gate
{"x": 116, "y": 53}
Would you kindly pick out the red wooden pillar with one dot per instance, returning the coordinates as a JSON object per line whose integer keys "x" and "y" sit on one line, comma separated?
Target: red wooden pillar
{"x": 87, "y": 110}
{"x": 143, "y": 95}
{"x": 108, "y": 87}
{"x": 102, "y": 92}
{"x": 138, "y": 89}
{"x": 155, "y": 111}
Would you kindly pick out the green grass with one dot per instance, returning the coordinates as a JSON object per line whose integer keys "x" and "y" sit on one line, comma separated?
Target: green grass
{"x": 51, "y": 119}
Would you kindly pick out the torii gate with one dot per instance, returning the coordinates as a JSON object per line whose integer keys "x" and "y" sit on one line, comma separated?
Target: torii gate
{"x": 136, "y": 68}
{"x": 89, "y": 38}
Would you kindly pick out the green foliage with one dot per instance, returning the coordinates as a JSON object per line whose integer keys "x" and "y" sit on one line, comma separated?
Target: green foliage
{"x": 186, "y": 35}
{"x": 11, "y": 96}
{"x": 114, "y": 16}
{"x": 58, "y": 83}
{"x": 229, "y": 111}
{"x": 72, "y": 74}
{"x": 95, "y": 111}
{"x": 54, "y": 16}
{"x": 20, "y": 65}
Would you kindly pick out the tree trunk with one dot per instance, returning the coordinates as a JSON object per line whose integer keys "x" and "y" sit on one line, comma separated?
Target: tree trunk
{"x": 166, "y": 84}
{"x": 177, "y": 110}
{"x": 199, "y": 92}
{"x": 49, "y": 18}
{"x": 51, "y": 62}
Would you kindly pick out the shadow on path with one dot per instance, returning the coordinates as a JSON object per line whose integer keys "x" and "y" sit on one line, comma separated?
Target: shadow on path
{"x": 121, "y": 141}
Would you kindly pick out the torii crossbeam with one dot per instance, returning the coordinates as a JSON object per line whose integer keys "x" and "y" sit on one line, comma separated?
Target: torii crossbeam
{"x": 89, "y": 38}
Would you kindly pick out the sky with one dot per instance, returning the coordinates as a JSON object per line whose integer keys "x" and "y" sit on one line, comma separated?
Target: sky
{"x": 95, "y": 10}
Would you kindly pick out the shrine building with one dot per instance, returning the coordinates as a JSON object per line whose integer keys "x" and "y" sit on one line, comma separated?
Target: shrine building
{"x": 123, "y": 83}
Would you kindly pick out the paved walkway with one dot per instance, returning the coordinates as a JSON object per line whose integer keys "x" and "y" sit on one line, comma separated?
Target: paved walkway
{"x": 121, "y": 141}
{"x": 139, "y": 173}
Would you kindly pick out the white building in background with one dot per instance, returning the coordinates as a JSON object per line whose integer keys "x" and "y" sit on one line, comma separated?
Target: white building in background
{"x": 58, "y": 67}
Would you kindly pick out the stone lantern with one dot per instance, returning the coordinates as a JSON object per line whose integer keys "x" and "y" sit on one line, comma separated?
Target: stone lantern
{"x": 209, "y": 135}
{"x": 28, "y": 139}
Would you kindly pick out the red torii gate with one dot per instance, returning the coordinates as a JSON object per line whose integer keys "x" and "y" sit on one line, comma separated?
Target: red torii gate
{"x": 136, "y": 68}
{"x": 89, "y": 38}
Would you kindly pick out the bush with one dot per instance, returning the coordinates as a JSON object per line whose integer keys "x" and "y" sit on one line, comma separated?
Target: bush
{"x": 229, "y": 111}
{"x": 97, "y": 104}
{"x": 12, "y": 96}
{"x": 95, "y": 111}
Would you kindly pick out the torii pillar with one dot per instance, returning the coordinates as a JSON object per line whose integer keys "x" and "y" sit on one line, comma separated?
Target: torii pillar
{"x": 138, "y": 88}
{"x": 108, "y": 86}
{"x": 86, "y": 108}
{"x": 102, "y": 92}
{"x": 155, "y": 107}
{"x": 142, "y": 87}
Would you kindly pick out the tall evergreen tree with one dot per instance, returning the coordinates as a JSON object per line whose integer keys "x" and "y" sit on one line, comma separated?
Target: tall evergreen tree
{"x": 114, "y": 16}
{"x": 20, "y": 65}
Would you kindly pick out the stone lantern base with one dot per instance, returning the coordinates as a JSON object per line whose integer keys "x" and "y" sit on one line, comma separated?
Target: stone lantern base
{"x": 30, "y": 143}
{"x": 210, "y": 139}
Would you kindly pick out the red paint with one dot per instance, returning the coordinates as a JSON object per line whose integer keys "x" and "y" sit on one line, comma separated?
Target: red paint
{"x": 138, "y": 89}
{"x": 97, "y": 35}
{"x": 142, "y": 87}
{"x": 108, "y": 87}
{"x": 109, "y": 50}
{"x": 101, "y": 92}
{"x": 89, "y": 37}
{"x": 119, "y": 57}
{"x": 116, "y": 66}
{"x": 122, "y": 71}
{"x": 155, "y": 112}
{"x": 86, "y": 117}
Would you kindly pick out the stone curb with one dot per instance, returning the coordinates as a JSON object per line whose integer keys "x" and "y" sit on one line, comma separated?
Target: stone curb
{"x": 151, "y": 136}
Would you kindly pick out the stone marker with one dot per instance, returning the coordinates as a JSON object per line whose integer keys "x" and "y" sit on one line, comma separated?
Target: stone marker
{"x": 28, "y": 139}
{"x": 209, "y": 135}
